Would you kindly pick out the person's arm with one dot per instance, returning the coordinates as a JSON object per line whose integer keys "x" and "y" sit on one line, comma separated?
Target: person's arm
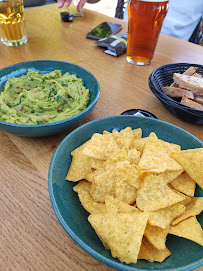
{"x": 68, "y": 2}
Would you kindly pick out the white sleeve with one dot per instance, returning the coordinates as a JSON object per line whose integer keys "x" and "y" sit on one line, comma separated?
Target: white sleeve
{"x": 182, "y": 18}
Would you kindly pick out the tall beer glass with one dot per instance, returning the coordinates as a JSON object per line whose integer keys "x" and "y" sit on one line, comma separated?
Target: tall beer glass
{"x": 12, "y": 24}
{"x": 145, "y": 18}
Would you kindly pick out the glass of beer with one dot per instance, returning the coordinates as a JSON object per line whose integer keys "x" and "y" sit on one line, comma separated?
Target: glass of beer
{"x": 12, "y": 22}
{"x": 145, "y": 18}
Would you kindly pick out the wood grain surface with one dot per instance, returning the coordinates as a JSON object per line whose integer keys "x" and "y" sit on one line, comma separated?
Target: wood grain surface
{"x": 31, "y": 237}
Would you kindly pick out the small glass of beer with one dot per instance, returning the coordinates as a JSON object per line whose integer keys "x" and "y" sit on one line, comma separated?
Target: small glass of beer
{"x": 12, "y": 22}
{"x": 145, "y": 18}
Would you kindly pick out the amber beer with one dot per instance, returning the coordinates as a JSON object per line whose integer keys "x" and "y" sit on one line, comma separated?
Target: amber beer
{"x": 145, "y": 18}
{"x": 12, "y": 25}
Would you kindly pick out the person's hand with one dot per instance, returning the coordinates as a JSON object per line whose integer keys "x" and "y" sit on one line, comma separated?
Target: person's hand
{"x": 68, "y": 2}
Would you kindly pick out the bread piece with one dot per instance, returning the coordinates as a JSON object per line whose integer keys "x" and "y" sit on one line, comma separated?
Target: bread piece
{"x": 177, "y": 92}
{"x": 197, "y": 75}
{"x": 174, "y": 85}
{"x": 191, "y": 83}
{"x": 190, "y": 71}
{"x": 190, "y": 103}
{"x": 198, "y": 99}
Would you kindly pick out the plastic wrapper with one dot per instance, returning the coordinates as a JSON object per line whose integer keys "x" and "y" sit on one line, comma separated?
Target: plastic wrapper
{"x": 116, "y": 44}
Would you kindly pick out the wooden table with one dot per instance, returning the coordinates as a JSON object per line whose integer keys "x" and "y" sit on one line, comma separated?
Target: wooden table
{"x": 31, "y": 237}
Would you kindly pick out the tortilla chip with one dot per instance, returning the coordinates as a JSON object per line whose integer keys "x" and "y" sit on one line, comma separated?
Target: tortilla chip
{"x": 103, "y": 184}
{"x": 156, "y": 157}
{"x": 80, "y": 167}
{"x": 106, "y": 132}
{"x": 125, "y": 192}
{"x": 189, "y": 229}
{"x": 139, "y": 144}
{"x": 101, "y": 146}
{"x": 112, "y": 180}
{"x": 104, "y": 243}
{"x": 121, "y": 155}
{"x": 134, "y": 156}
{"x": 80, "y": 148}
{"x": 117, "y": 137}
{"x": 96, "y": 163}
{"x": 121, "y": 141}
{"x": 154, "y": 194}
{"x": 171, "y": 147}
{"x": 116, "y": 206}
{"x": 156, "y": 236}
{"x": 81, "y": 164}
{"x": 184, "y": 184}
{"x": 82, "y": 186}
{"x": 137, "y": 133}
{"x": 122, "y": 232}
{"x": 192, "y": 162}
{"x": 127, "y": 172}
{"x": 150, "y": 253}
{"x": 186, "y": 201}
{"x": 128, "y": 134}
{"x": 172, "y": 175}
{"x": 195, "y": 207}
{"x": 91, "y": 206}
{"x": 163, "y": 217}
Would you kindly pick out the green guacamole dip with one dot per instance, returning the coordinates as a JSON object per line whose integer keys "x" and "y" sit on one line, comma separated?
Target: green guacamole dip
{"x": 37, "y": 98}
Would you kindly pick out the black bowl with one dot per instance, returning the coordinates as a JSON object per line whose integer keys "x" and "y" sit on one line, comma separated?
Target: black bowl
{"x": 163, "y": 76}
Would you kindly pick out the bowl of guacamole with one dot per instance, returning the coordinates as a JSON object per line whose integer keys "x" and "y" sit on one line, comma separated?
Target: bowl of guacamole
{"x": 45, "y": 97}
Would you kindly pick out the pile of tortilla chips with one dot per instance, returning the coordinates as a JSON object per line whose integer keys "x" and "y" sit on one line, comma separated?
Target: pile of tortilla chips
{"x": 137, "y": 191}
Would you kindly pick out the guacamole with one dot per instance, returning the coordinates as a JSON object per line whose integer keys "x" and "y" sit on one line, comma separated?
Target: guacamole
{"x": 37, "y": 98}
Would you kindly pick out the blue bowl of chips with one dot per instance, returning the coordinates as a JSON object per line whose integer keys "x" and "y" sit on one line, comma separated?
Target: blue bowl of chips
{"x": 47, "y": 66}
{"x": 186, "y": 255}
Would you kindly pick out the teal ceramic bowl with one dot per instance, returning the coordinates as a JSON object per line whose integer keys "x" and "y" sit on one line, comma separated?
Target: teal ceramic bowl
{"x": 45, "y": 66}
{"x": 186, "y": 255}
